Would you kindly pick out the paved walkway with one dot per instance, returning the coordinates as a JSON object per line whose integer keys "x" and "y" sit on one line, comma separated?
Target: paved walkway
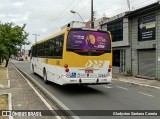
{"x": 139, "y": 81}
{"x": 22, "y": 95}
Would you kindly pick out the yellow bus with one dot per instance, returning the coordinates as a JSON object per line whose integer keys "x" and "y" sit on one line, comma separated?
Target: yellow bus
{"x": 74, "y": 56}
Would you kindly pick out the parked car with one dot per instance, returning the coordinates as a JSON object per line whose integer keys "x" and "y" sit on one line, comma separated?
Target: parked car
{"x": 20, "y": 59}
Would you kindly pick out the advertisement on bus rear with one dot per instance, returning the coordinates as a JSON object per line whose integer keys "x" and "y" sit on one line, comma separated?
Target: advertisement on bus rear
{"x": 89, "y": 40}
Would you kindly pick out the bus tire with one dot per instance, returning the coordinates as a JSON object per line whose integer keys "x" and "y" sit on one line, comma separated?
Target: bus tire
{"x": 33, "y": 69}
{"x": 45, "y": 76}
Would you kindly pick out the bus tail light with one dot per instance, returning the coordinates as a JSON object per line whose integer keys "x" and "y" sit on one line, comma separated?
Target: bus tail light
{"x": 110, "y": 68}
{"x": 66, "y": 66}
{"x": 67, "y": 70}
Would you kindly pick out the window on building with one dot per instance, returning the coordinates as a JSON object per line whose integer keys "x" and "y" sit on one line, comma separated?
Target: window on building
{"x": 116, "y": 58}
{"x": 147, "y": 28}
{"x": 116, "y": 29}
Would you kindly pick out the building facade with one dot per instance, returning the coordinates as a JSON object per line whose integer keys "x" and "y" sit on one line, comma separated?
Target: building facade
{"x": 119, "y": 28}
{"x": 145, "y": 41}
{"x": 136, "y": 41}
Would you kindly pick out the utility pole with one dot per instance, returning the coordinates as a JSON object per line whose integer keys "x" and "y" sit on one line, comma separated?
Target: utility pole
{"x": 35, "y": 37}
{"x": 129, "y": 7}
{"x": 92, "y": 22}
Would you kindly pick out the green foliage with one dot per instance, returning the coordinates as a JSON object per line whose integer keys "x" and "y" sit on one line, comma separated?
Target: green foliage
{"x": 11, "y": 37}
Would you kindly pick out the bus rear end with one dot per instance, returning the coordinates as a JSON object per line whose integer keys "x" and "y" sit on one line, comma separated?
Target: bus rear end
{"x": 87, "y": 57}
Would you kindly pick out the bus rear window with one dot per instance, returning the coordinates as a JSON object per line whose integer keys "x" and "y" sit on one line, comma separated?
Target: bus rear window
{"x": 96, "y": 41}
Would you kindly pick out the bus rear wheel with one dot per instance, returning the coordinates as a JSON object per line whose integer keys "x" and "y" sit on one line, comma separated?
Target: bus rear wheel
{"x": 45, "y": 76}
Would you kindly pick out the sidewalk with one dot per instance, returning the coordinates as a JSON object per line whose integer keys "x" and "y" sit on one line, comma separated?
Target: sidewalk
{"x": 23, "y": 97}
{"x": 137, "y": 81}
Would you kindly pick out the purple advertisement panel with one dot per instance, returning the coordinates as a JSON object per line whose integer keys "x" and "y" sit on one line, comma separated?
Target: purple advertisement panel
{"x": 88, "y": 40}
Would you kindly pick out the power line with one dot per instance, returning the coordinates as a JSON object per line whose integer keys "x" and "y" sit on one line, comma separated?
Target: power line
{"x": 64, "y": 17}
{"x": 61, "y": 13}
{"x": 81, "y": 9}
{"x": 124, "y": 7}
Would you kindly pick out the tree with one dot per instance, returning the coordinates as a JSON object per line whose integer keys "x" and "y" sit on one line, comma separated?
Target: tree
{"x": 11, "y": 37}
{"x": 3, "y": 53}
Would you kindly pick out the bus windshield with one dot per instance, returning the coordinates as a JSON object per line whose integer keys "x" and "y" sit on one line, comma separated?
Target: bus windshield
{"x": 88, "y": 41}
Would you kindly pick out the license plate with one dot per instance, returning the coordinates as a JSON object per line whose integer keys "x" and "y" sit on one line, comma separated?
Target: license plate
{"x": 88, "y": 71}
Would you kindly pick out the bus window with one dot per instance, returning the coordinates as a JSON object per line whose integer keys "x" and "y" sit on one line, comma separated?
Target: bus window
{"x": 59, "y": 46}
{"x": 52, "y": 43}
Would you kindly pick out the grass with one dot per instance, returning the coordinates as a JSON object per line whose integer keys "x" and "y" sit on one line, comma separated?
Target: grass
{"x": 3, "y": 74}
{"x": 3, "y": 104}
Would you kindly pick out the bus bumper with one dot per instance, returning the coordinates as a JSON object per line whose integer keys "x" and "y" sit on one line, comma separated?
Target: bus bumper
{"x": 90, "y": 81}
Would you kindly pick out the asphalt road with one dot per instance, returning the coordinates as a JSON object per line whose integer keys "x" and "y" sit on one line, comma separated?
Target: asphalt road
{"x": 117, "y": 96}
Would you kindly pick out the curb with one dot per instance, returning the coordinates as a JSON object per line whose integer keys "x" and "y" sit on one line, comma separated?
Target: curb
{"x": 51, "y": 97}
{"x": 140, "y": 84}
{"x": 10, "y": 103}
{"x": 9, "y": 84}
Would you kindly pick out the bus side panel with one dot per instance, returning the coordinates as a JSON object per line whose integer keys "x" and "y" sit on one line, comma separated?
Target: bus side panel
{"x": 53, "y": 69}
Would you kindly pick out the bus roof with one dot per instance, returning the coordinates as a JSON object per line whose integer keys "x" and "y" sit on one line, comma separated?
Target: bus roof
{"x": 63, "y": 31}
{"x": 53, "y": 35}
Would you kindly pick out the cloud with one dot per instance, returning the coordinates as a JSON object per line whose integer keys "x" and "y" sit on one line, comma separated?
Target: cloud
{"x": 2, "y": 16}
{"x": 18, "y": 4}
{"x": 44, "y": 17}
{"x": 44, "y": 30}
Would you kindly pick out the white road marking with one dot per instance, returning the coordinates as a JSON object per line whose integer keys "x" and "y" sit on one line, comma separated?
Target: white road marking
{"x": 137, "y": 83}
{"x": 107, "y": 87}
{"x": 146, "y": 94}
{"x": 122, "y": 87}
{"x": 39, "y": 95}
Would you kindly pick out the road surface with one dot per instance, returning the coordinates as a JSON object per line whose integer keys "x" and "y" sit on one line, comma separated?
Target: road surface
{"x": 117, "y": 96}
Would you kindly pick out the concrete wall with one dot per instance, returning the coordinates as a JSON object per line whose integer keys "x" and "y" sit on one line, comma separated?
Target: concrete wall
{"x": 158, "y": 44}
{"x": 128, "y": 58}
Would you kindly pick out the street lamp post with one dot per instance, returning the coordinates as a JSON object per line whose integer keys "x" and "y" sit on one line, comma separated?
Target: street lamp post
{"x": 92, "y": 22}
{"x": 72, "y": 11}
{"x": 35, "y": 37}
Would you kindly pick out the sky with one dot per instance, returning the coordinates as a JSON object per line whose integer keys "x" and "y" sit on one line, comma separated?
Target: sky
{"x": 45, "y": 17}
